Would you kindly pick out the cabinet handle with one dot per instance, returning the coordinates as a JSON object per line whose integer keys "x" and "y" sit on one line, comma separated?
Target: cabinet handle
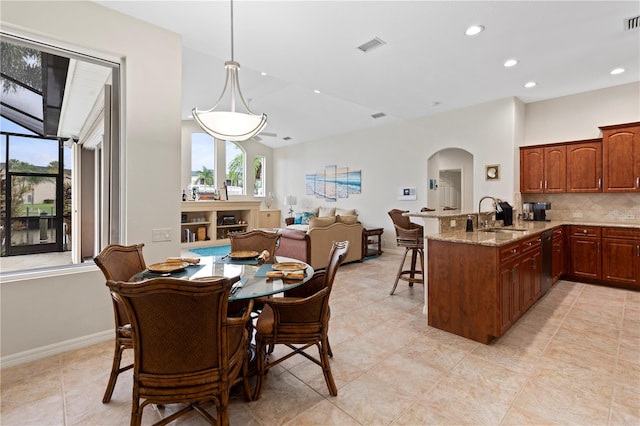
{"x": 545, "y": 185}
{"x": 599, "y": 183}
{"x": 584, "y": 231}
{"x": 540, "y": 184}
{"x": 638, "y": 250}
{"x": 638, "y": 182}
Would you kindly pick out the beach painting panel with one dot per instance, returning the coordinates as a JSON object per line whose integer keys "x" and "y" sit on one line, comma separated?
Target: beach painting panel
{"x": 310, "y": 184}
{"x": 330, "y": 183}
{"x": 354, "y": 182}
{"x": 342, "y": 182}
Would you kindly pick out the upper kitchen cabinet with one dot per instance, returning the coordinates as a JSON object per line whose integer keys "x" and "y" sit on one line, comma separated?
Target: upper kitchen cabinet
{"x": 543, "y": 169}
{"x": 584, "y": 166}
{"x": 621, "y": 157}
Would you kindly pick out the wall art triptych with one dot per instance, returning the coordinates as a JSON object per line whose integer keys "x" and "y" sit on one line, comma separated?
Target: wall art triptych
{"x": 333, "y": 182}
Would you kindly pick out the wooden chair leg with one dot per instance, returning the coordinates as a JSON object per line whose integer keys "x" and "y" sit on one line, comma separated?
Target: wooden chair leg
{"x": 395, "y": 284}
{"x": 115, "y": 371}
{"x": 326, "y": 368}
{"x": 260, "y": 369}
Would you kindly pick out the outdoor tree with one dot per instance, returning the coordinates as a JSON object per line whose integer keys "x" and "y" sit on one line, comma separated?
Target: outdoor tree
{"x": 205, "y": 176}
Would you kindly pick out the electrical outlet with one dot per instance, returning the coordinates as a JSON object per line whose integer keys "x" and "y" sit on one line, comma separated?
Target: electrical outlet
{"x": 577, "y": 215}
{"x": 452, "y": 223}
{"x": 161, "y": 234}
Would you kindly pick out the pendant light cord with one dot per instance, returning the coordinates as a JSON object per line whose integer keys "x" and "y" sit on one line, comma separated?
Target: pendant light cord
{"x": 232, "y": 30}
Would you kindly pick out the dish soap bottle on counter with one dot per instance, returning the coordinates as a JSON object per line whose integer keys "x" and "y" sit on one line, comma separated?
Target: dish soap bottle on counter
{"x": 469, "y": 224}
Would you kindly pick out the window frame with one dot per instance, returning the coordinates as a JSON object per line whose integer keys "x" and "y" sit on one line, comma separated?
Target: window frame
{"x": 110, "y": 228}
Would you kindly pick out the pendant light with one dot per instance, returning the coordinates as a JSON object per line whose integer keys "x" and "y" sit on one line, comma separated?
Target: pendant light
{"x": 230, "y": 125}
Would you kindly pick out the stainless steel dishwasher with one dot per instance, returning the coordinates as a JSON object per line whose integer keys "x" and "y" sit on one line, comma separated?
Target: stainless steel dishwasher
{"x": 547, "y": 249}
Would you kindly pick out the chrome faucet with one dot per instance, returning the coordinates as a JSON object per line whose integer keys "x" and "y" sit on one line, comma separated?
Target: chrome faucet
{"x": 480, "y": 204}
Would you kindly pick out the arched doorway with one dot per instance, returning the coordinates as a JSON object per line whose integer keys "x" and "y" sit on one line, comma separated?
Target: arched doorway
{"x": 450, "y": 185}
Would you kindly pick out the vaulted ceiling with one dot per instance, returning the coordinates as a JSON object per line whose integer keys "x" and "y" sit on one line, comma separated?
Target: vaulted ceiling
{"x": 428, "y": 65}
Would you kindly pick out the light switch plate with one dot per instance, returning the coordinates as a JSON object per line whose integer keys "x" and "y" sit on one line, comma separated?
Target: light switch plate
{"x": 161, "y": 234}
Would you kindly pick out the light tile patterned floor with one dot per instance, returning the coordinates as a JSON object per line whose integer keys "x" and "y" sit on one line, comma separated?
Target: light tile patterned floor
{"x": 574, "y": 358}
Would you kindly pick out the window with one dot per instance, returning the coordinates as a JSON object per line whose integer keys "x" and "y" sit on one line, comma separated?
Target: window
{"x": 59, "y": 166}
{"x": 235, "y": 168}
{"x": 259, "y": 183}
{"x": 203, "y": 173}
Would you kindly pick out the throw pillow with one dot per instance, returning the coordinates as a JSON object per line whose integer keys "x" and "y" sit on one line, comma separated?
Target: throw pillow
{"x": 316, "y": 222}
{"x": 302, "y": 218}
{"x": 326, "y": 211}
{"x": 345, "y": 212}
{"x": 347, "y": 219}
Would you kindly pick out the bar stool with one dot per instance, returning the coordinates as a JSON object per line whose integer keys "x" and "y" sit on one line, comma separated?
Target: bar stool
{"x": 410, "y": 236}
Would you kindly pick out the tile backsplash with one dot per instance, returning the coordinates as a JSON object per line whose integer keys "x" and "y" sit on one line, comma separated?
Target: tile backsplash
{"x": 596, "y": 207}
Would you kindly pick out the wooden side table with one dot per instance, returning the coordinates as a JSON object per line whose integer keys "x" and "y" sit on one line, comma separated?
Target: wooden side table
{"x": 372, "y": 242}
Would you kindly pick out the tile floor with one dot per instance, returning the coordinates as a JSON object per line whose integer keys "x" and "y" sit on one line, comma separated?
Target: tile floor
{"x": 574, "y": 358}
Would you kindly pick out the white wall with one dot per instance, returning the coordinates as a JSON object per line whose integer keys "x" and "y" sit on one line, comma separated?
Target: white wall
{"x": 396, "y": 155}
{"x": 577, "y": 117}
{"x": 37, "y": 312}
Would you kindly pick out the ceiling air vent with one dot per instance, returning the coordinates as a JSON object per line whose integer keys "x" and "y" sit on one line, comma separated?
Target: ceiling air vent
{"x": 632, "y": 23}
{"x": 378, "y": 115}
{"x": 371, "y": 44}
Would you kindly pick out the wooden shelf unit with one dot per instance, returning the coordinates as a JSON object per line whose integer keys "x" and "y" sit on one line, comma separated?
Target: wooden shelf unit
{"x": 210, "y": 215}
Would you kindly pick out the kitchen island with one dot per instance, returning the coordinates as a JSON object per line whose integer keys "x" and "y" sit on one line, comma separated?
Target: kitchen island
{"x": 480, "y": 283}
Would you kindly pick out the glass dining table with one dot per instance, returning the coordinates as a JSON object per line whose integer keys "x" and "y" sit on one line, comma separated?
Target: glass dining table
{"x": 253, "y": 282}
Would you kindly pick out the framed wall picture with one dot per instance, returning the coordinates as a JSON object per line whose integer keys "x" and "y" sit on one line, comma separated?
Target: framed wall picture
{"x": 492, "y": 172}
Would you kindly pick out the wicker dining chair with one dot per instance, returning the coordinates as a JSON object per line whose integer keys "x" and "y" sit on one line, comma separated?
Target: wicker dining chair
{"x": 120, "y": 263}
{"x": 256, "y": 240}
{"x": 300, "y": 320}
{"x": 186, "y": 350}
{"x": 410, "y": 236}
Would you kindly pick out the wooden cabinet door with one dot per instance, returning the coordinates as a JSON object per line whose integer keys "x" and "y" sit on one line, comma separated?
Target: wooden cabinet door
{"x": 506, "y": 283}
{"x": 585, "y": 257}
{"x": 531, "y": 170}
{"x": 621, "y": 260}
{"x": 584, "y": 167}
{"x": 621, "y": 158}
{"x": 555, "y": 169}
{"x": 557, "y": 259}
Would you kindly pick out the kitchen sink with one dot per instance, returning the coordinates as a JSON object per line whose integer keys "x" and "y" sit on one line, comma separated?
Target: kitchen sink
{"x": 504, "y": 230}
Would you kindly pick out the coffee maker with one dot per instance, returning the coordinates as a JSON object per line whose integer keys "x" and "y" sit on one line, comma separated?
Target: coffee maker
{"x": 535, "y": 211}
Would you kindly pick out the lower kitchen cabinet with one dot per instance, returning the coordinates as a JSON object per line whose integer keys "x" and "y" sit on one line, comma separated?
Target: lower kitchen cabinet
{"x": 621, "y": 255}
{"x": 586, "y": 259}
{"x": 559, "y": 255}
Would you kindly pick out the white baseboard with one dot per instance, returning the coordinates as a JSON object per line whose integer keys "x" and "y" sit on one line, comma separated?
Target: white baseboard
{"x": 55, "y": 349}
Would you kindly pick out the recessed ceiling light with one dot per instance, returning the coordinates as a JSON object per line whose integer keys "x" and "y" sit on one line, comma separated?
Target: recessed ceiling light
{"x": 263, "y": 73}
{"x": 530, "y": 84}
{"x": 510, "y": 62}
{"x": 474, "y": 29}
{"x": 617, "y": 71}
{"x": 316, "y": 91}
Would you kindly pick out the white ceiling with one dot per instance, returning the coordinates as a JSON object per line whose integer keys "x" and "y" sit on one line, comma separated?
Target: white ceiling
{"x": 427, "y": 66}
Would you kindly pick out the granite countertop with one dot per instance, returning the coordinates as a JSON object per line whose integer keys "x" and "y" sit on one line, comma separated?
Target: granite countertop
{"x": 497, "y": 239}
{"x": 441, "y": 213}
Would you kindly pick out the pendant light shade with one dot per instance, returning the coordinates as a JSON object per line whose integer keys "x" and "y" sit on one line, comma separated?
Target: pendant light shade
{"x": 230, "y": 125}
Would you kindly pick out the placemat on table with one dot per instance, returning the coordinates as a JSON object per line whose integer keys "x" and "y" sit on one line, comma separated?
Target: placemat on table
{"x": 262, "y": 270}
{"x": 186, "y": 272}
